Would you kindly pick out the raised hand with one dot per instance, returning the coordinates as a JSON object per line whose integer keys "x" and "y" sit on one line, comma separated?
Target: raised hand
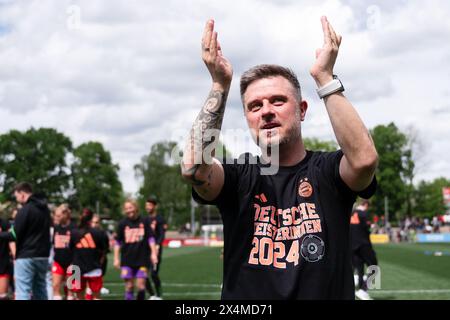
{"x": 219, "y": 67}
{"x": 322, "y": 70}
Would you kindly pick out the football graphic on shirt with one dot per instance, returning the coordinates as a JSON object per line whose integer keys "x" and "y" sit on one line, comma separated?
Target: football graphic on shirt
{"x": 305, "y": 188}
{"x": 313, "y": 248}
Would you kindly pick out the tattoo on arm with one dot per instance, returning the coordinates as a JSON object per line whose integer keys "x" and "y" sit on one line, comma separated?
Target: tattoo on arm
{"x": 191, "y": 173}
{"x": 209, "y": 118}
{"x": 204, "y": 132}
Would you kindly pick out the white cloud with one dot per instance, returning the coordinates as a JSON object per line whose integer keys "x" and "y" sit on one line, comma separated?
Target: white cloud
{"x": 129, "y": 74}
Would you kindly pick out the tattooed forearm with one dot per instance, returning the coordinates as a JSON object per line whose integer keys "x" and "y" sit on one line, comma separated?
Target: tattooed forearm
{"x": 204, "y": 136}
{"x": 191, "y": 174}
{"x": 209, "y": 119}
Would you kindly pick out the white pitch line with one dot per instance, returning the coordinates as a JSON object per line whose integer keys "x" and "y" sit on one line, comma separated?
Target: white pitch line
{"x": 175, "y": 294}
{"x": 194, "y": 294}
{"x": 412, "y": 291}
{"x": 197, "y": 285}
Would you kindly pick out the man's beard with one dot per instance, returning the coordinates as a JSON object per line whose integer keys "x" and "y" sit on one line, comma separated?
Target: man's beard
{"x": 271, "y": 139}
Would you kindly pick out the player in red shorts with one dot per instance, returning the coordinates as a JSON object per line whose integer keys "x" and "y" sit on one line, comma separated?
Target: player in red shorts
{"x": 62, "y": 253}
{"x": 96, "y": 224}
{"x": 89, "y": 246}
{"x": 7, "y": 251}
{"x": 135, "y": 243}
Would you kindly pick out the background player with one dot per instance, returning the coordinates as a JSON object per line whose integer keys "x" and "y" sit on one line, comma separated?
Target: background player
{"x": 62, "y": 253}
{"x": 89, "y": 247}
{"x": 7, "y": 252}
{"x": 134, "y": 245}
{"x": 159, "y": 226}
{"x": 96, "y": 224}
{"x": 363, "y": 253}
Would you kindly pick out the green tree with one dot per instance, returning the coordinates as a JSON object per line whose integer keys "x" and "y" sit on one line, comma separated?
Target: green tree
{"x": 428, "y": 198}
{"x": 315, "y": 144}
{"x": 395, "y": 169}
{"x": 37, "y": 156}
{"x": 160, "y": 176}
{"x": 95, "y": 180}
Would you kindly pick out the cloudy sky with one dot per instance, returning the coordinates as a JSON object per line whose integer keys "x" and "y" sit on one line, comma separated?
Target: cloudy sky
{"x": 129, "y": 73}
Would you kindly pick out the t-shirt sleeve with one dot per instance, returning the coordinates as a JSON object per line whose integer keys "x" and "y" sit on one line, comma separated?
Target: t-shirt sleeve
{"x": 104, "y": 243}
{"x": 331, "y": 168}
{"x": 120, "y": 234}
{"x": 105, "y": 240}
{"x": 160, "y": 230}
{"x": 72, "y": 239}
{"x": 5, "y": 233}
{"x": 149, "y": 230}
{"x": 229, "y": 189}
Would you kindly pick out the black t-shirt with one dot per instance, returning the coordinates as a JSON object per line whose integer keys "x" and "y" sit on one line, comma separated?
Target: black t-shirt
{"x": 359, "y": 229}
{"x": 61, "y": 242}
{"x": 286, "y": 236}
{"x": 158, "y": 227}
{"x": 5, "y": 253}
{"x": 88, "y": 247}
{"x": 133, "y": 237}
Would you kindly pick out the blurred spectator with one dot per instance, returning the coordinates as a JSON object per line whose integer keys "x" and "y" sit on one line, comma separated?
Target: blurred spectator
{"x": 436, "y": 224}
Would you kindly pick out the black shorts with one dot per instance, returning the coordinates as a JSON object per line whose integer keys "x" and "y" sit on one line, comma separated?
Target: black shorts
{"x": 6, "y": 269}
{"x": 364, "y": 254}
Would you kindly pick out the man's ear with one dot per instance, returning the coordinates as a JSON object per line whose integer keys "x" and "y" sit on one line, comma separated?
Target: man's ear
{"x": 303, "y": 105}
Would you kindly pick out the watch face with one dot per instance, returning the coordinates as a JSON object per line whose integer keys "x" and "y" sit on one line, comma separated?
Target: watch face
{"x": 335, "y": 77}
{"x": 333, "y": 86}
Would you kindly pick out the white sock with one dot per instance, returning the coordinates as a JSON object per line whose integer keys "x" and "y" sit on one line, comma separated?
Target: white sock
{"x": 57, "y": 297}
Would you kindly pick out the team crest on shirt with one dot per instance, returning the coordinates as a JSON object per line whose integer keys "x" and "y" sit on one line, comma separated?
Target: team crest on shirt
{"x": 305, "y": 188}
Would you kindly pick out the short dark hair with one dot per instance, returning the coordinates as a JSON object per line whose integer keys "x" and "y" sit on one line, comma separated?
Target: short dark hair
{"x": 24, "y": 187}
{"x": 152, "y": 199}
{"x": 86, "y": 218}
{"x": 267, "y": 71}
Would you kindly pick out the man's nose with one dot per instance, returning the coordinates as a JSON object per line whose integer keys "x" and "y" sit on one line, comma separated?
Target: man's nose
{"x": 267, "y": 108}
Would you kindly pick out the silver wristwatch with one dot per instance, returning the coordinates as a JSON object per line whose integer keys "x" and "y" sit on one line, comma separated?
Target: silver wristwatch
{"x": 331, "y": 87}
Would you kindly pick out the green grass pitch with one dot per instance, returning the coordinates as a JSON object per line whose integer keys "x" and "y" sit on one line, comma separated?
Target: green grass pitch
{"x": 408, "y": 271}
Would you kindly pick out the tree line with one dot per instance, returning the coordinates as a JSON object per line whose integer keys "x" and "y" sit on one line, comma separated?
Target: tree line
{"x": 398, "y": 155}
{"x": 83, "y": 176}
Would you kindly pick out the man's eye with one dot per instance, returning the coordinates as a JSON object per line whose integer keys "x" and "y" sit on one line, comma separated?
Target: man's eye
{"x": 254, "y": 107}
{"x": 278, "y": 101}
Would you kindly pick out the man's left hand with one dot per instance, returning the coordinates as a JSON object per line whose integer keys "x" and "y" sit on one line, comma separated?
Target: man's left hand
{"x": 322, "y": 70}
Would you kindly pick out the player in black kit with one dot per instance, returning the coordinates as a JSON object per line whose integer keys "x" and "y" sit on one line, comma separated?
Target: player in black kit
{"x": 89, "y": 246}
{"x": 7, "y": 251}
{"x": 159, "y": 226}
{"x": 62, "y": 254}
{"x": 135, "y": 243}
{"x": 363, "y": 253}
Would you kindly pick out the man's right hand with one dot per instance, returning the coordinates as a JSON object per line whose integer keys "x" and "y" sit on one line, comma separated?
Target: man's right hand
{"x": 206, "y": 176}
{"x": 219, "y": 67}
